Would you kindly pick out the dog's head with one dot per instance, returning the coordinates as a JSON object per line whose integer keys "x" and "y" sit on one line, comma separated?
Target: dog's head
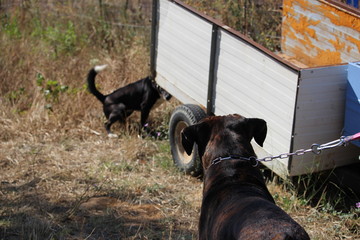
{"x": 162, "y": 92}
{"x": 222, "y": 136}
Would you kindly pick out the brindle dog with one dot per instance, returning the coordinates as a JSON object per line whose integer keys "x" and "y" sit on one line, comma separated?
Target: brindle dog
{"x": 236, "y": 202}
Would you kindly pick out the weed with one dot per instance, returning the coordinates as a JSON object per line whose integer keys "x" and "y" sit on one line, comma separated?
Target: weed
{"x": 259, "y": 21}
{"x": 15, "y": 96}
{"x": 116, "y": 167}
{"x": 38, "y": 31}
{"x": 154, "y": 188}
{"x": 63, "y": 39}
{"x": 50, "y": 89}
{"x": 5, "y": 223}
{"x": 163, "y": 159}
{"x": 10, "y": 26}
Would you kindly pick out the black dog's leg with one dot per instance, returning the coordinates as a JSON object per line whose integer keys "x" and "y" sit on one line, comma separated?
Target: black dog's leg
{"x": 145, "y": 111}
{"x": 129, "y": 112}
{"x": 147, "y": 130}
{"x": 144, "y": 115}
{"x": 118, "y": 114}
{"x": 108, "y": 125}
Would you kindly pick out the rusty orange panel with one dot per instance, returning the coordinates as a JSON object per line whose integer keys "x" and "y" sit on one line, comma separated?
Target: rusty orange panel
{"x": 318, "y": 33}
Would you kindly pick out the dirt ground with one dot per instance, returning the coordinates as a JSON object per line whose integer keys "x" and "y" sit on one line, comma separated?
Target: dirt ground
{"x": 79, "y": 184}
{"x": 61, "y": 177}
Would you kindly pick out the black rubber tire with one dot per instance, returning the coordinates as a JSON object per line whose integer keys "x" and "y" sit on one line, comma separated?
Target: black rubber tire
{"x": 183, "y": 116}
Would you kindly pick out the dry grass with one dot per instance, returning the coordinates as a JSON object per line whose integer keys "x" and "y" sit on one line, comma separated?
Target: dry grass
{"x": 62, "y": 178}
{"x": 78, "y": 185}
{"x": 75, "y": 184}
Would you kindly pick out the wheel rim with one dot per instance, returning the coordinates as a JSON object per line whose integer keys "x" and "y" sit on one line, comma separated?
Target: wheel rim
{"x": 179, "y": 147}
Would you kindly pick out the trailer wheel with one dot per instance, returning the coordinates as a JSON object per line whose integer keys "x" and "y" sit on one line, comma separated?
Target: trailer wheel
{"x": 183, "y": 116}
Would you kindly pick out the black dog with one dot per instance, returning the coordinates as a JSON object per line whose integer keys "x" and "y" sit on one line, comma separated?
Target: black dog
{"x": 141, "y": 96}
{"x": 236, "y": 202}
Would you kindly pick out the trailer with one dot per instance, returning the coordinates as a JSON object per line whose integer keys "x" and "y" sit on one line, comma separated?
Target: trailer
{"x": 215, "y": 70}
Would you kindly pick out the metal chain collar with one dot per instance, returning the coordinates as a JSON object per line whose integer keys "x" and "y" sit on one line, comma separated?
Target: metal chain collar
{"x": 253, "y": 160}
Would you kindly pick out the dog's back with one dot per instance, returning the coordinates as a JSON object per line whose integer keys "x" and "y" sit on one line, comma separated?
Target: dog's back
{"x": 133, "y": 94}
{"x": 237, "y": 205}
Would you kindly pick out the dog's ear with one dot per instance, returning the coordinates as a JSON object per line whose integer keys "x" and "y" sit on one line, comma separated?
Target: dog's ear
{"x": 257, "y": 129}
{"x": 188, "y": 136}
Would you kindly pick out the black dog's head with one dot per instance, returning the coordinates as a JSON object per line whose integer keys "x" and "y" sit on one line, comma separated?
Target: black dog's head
{"x": 221, "y": 136}
{"x": 162, "y": 92}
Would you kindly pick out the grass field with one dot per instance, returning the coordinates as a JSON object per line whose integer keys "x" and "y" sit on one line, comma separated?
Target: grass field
{"x": 61, "y": 176}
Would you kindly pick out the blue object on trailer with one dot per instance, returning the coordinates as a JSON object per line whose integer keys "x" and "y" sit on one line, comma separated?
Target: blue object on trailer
{"x": 352, "y": 109}
{"x": 354, "y": 3}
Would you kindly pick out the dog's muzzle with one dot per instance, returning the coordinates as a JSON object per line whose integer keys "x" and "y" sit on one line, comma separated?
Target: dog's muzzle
{"x": 162, "y": 92}
{"x": 167, "y": 96}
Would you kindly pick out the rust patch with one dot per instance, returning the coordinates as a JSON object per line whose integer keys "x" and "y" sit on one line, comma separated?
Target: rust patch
{"x": 303, "y": 26}
{"x": 355, "y": 41}
{"x": 297, "y": 26}
{"x": 307, "y": 43}
{"x": 339, "y": 17}
{"x": 327, "y": 57}
{"x": 288, "y": 8}
{"x": 338, "y": 45}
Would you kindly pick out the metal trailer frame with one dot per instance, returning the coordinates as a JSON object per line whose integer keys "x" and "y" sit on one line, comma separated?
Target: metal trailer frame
{"x": 313, "y": 98}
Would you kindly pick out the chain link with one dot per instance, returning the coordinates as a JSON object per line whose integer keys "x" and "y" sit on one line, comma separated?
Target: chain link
{"x": 284, "y": 155}
{"x": 315, "y": 148}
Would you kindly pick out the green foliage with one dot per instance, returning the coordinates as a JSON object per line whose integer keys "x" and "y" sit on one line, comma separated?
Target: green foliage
{"x": 37, "y": 30}
{"x": 14, "y": 96}
{"x": 155, "y": 189}
{"x": 62, "y": 38}
{"x": 260, "y": 22}
{"x": 10, "y": 26}
{"x": 117, "y": 167}
{"x": 163, "y": 159}
{"x": 50, "y": 89}
{"x": 113, "y": 27}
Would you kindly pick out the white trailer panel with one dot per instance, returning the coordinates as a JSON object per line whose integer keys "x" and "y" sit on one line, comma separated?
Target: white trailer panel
{"x": 183, "y": 52}
{"x": 319, "y": 118}
{"x": 251, "y": 83}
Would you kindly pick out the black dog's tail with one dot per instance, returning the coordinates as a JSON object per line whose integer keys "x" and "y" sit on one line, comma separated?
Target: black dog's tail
{"x": 91, "y": 82}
